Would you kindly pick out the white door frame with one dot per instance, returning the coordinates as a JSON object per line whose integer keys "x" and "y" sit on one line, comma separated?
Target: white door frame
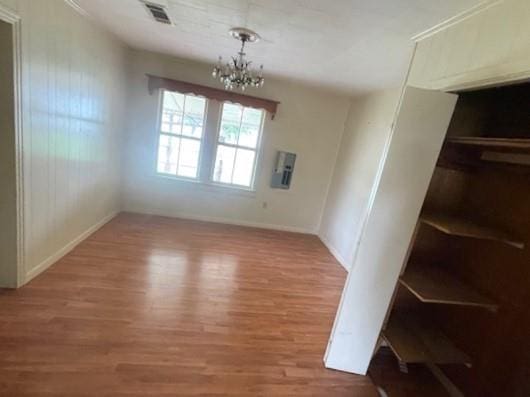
{"x": 9, "y": 16}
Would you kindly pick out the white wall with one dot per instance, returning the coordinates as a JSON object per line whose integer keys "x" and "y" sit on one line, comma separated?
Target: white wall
{"x": 309, "y": 123}
{"x": 402, "y": 182}
{"x": 367, "y": 128}
{"x": 73, "y": 93}
{"x": 8, "y": 198}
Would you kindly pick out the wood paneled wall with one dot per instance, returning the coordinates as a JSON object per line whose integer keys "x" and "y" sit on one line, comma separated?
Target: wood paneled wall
{"x": 73, "y": 89}
{"x": 484, "y": 47}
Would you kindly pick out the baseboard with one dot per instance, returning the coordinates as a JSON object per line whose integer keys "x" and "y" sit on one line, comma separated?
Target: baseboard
{"x": 66, "y": 249}
{"x": 335, "y": 253}
{"x": 228, "y": 221}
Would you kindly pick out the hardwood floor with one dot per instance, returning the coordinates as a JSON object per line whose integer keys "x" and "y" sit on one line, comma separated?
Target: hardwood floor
{"x": 153, "y": 306}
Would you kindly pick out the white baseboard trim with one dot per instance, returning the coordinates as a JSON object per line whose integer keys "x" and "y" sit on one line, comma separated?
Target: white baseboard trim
{"x": 31, "y": 274}
{"x": 335, "y": 253}
{"x": 226, "y": 221}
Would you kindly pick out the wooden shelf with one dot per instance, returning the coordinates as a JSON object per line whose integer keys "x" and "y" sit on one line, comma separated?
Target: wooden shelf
{"x": 462, "y": 227}
{"x": 413, "y": 340}
{"x": 484, "y": 157}
{"x": 510, "y": 144}
{"x": 433, "y": 285}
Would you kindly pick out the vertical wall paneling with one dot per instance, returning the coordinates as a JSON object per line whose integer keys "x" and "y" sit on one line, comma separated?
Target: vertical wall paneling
{"x": 73, "y": 89}
{"x": 484, "y": 47}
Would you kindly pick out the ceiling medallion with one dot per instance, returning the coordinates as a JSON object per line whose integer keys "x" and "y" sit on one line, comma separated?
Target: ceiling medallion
{"x": 238, "y": 73}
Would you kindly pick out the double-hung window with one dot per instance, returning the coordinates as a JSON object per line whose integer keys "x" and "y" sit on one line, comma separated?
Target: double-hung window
{"x": 237, "y": 145}
{"x": 194, "y": 145}
{"x": 181, "y": 133}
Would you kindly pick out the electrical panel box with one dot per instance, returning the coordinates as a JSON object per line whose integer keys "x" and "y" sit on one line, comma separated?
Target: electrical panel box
{"x": 283, "y": 170}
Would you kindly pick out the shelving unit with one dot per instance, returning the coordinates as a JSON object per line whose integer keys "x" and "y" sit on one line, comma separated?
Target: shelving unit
{"x": 433, "y": 285}
{"x": 414, "y": 340}
{"x": 470, "y": 153}
{"x": 453, "y": 225}
{"x": 484, "y": 143}
{"x": 434, "y": 313}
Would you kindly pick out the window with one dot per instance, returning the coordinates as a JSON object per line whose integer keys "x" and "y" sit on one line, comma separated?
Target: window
{"x": 238, "y": 139}
{"x": 181, "y": 133}
{"x": 190, "y": 145}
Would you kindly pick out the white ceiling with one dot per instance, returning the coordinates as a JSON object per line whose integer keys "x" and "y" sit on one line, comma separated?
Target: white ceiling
{"x": 345, "y": 45}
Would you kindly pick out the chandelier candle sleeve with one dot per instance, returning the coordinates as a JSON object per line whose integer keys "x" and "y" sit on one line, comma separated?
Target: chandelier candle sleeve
{"x": 239, "y": 73}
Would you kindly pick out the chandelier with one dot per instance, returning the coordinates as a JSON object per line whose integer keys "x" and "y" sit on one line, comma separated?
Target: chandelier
{"x": 238, "y": 73}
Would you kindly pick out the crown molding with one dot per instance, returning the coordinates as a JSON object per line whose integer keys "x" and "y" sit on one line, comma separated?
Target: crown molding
{"x": 456, "y": 19}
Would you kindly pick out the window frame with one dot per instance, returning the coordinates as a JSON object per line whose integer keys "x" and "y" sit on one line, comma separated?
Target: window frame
{"x": 201, "y": 140}
{"x": 257, "y": 149}
{"x": 209, "y": 142}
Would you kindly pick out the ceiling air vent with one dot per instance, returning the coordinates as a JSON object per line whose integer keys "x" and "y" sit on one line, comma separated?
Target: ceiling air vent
{"x": 158, "y": 12}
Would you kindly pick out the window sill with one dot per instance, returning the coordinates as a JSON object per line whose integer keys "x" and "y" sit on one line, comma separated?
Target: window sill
{"x": 212, "y": 187}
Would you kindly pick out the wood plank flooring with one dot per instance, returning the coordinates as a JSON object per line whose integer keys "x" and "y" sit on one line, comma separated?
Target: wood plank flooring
{"x": 153, "y": 306}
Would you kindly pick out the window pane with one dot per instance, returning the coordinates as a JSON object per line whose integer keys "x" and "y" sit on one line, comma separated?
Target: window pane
{"x": 252, "y": 116}
{"x": 171, "y": 122}
{"x": 194, "y": 109}
{"x": 173, "y": 101}
{"x": 181, "y": 115}
{"x": 230, "y": 123}
{"x": 244, "y": 167}
{"x": 250, "y": 128}
{"x": 172, "y": 111}
{"x": 224, "y": 164}
{"x": 165, "y": 122}
{"x": 189, "y": 158}
{"x": 168, "y": 152}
